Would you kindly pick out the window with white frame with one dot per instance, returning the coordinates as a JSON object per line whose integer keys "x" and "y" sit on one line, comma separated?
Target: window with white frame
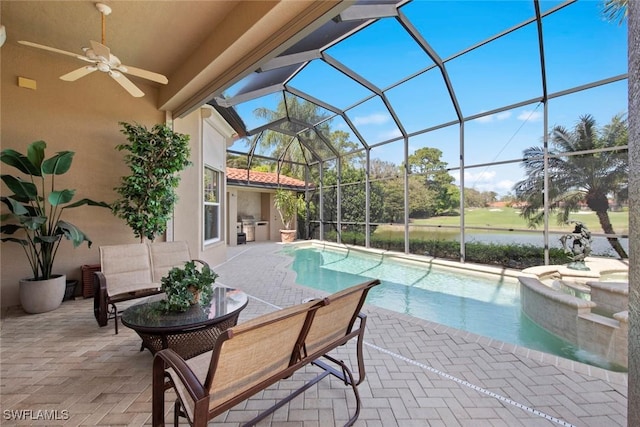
{"x": 211, "y": 204}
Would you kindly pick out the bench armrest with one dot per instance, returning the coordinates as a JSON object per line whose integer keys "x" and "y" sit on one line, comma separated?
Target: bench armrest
{"x": 204, "y": 263}
{"x": 161, "y": 380}
{"x": 168, "y": 358}
{"x": 100, "y": 298}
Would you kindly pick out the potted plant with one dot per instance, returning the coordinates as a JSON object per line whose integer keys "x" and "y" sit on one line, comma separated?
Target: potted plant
{"x": 187, "y": 286}
{"x": 147, "y": 196}
{"x": 35, "y": 210}
{"x": 287, "y": 204}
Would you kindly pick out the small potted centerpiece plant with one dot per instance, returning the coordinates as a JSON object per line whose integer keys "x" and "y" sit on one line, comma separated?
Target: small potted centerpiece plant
{"x": 187, "y": 286}
{"x": 34, "y": 216}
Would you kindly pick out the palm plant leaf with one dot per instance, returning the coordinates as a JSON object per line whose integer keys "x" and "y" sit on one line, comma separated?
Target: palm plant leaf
{"x": 19, "y": 161}
{"x": 14, "y": 206}
{"x": 59, "y": 197}
{"x": 35, "y": 154}
{"x": 38, "y": 215}
{"x": 24, "y": 190}
{"x": 73, "y": 233}
{"x": 58, "y": 164}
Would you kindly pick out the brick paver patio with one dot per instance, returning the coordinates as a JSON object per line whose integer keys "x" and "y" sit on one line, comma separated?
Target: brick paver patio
{"x": 418, "y": 373}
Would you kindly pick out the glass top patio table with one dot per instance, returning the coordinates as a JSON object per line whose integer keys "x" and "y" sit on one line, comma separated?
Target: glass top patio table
{"x": 191, "y": 332}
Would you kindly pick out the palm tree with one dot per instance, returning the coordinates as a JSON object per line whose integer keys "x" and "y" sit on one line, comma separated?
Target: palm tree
{"x": 286, "y": 147}
{"x": 615, "y": 10}
{"x": 581, "y": 178}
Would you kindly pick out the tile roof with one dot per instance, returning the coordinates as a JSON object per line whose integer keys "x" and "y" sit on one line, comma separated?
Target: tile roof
{"x": 261, "y": 179}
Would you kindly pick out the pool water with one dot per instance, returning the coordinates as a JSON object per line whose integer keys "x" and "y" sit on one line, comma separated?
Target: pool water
{"x": 483, "y": 306}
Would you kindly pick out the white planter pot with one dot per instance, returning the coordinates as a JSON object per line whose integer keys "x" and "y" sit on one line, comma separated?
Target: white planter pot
{"x": 40, "y": 296}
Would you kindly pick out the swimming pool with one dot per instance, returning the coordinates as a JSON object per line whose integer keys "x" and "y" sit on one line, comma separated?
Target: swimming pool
{"x": 484, "y": 306}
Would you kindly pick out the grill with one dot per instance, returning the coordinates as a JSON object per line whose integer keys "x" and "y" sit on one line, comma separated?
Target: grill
{"x": 249, "y": 227}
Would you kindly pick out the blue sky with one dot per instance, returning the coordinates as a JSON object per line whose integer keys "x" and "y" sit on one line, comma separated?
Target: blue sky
{"x": 580, "y": 47}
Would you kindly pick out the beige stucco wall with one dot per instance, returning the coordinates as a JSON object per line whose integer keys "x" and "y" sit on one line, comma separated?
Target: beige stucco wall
{"x": 80, "y": 116}
{"x": 208, "y": 138}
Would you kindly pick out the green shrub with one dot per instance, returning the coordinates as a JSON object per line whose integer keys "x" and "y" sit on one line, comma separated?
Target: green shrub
{"x": 516, "y": 256}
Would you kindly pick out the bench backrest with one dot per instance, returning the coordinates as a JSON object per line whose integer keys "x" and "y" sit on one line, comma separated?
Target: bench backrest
{"x": 334, "y": 321}
{"x": 126, "y": 267}
{"x": 137, "y": 266}
{"x": 250, "y": 356}
{"x": 165, "y": 256}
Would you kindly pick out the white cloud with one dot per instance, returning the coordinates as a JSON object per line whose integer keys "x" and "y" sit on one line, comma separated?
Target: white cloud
{"x": 485, "y": 119}
{"x": 531, "y": 116}
{"x": 371, "y": 119}
{"x": 471, "y": 178}
{"x": 393, "y": 133}
{"x": 504, "y": 115}
{"x": 486, "y": 181}
{"x": 505, "y": 185}
{"x": 491, "y": 117}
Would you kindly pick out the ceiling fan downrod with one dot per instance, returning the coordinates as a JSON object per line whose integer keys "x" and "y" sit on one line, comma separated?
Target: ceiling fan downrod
{"x": 104, "y": 10}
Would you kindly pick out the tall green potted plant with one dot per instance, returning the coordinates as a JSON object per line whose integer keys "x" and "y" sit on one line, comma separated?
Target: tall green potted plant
{"x": 287, "y": 203}
{"x": 147, "y": 195}
{"x": 35, "y": 211}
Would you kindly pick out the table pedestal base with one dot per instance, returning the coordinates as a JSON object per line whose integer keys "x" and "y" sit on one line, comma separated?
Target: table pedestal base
{"x": 187, "y": 343}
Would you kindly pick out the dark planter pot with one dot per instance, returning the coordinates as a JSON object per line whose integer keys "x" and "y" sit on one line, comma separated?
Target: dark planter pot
{"x": 70, "y": 290}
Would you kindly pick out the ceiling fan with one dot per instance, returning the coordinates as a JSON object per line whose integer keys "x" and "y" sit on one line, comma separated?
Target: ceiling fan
{"x": 101, "y": 59}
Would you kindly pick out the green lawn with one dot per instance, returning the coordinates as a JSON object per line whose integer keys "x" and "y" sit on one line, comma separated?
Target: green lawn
{"x": 510, "y": 218}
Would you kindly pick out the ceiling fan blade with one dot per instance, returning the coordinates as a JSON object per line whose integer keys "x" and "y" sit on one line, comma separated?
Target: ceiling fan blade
{"x": 126, "y": 83}
{"x": 52, "y": 49}
{"x": 149, "y": 75}
{"x": 80, "y": 72}
{"x": 100, "y": 50}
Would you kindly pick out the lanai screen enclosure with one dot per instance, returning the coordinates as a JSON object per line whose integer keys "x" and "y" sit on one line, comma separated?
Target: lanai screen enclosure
{"x": 472, "y": 120}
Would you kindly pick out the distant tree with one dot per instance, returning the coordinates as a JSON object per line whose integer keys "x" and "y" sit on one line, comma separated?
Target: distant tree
{"x": 479, "y": 199}
{"x": 578, "y": 179}
{"x": 438, "y": 189}
{"x": 508, "y": 198}
{"x": 393, "y": 207}
{"x": 353, "y": 195}
{"x": 379, "y": 169}
{"x": 238, "y": 162}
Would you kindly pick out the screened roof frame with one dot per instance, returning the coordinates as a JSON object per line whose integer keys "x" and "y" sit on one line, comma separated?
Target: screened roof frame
{"x": 358, "y": 17}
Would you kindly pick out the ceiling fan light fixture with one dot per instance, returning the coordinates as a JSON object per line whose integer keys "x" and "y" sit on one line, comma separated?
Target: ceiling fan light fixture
{"x": 103, "y": 8}
{"x": 103, "y": 67}
{"x": 3, "y": 35}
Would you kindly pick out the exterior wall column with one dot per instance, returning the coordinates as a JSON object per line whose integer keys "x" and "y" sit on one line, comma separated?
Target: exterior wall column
{"x": 633, "y": 411}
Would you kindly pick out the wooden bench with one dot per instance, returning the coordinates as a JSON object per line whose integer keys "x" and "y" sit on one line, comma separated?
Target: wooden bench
{"x": 253, "y": 355}
{"x": 133, "y": 271}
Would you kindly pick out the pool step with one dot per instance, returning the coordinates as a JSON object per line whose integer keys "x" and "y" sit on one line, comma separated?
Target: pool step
{"x": 601, "y": 320}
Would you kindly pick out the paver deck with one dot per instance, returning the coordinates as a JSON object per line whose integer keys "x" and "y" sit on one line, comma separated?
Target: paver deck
{"x": 60, "y": 368}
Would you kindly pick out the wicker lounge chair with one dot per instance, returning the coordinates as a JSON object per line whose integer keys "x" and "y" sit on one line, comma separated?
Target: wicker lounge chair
{"x": 256, "y": 354}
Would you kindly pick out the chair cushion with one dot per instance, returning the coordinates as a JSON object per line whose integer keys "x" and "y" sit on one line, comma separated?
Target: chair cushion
{"x": 165, "y": 256}
{"x": 127, "y": 268}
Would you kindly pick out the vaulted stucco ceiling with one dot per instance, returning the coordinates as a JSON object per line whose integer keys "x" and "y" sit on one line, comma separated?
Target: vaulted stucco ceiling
{"x": 200, "y": 46}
